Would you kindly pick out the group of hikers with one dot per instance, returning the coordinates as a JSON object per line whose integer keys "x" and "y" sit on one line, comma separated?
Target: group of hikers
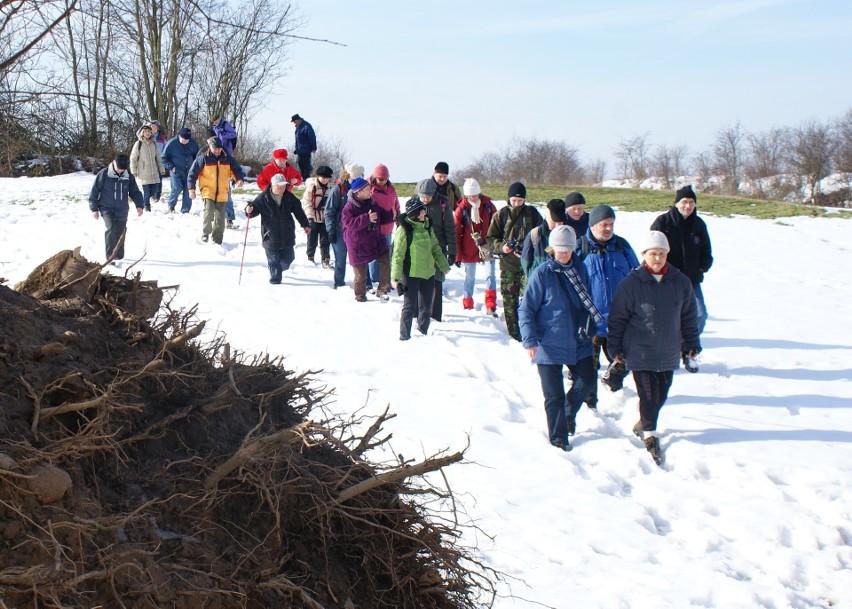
{"x": 571, "y": 288}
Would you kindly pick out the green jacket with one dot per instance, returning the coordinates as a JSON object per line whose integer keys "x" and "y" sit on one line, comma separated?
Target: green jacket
{"x": 424, "y": 251}
{"x": 512, "y": 224}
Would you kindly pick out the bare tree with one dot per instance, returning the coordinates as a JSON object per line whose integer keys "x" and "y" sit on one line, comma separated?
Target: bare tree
{"x": 764, "y": 164}
{"x": 843, "y": 143}
{"x": 595, "y": 171}
{"x": 810, "y": 153}
{"x": 24, "y": 24}
{"x": 632, "y": 154}
{"x": 728, "y": 153}
{"x": 332, "y": 151}
{"x": 679, "y": 155}
{"x": 661, "y": 165}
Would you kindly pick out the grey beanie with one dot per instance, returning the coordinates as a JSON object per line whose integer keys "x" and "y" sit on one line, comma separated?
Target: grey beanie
{"x": 562, "y": 239}
{"x": 600, "y": 213}
{"x": 427, "y": 188}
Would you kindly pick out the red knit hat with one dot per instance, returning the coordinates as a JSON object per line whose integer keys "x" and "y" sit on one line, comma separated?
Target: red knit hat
{"x": 280, "y": 153}
{"x": 381, "y": 172}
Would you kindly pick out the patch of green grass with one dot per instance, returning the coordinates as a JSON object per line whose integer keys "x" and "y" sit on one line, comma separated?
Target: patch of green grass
{"x": 643, "y": 199}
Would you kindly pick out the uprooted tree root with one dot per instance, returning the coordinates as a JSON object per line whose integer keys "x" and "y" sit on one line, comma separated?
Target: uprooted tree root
{"x": 142, "y": 469}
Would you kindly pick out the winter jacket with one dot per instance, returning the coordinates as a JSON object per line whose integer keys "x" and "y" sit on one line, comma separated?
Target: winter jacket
{"x": 511, "y": 223}
{"x": 277, "y": 228}
{"x": 441, "y": 220}
{"x": 227, "y": 135}
{"x": 160, "y": 141}
{"x": 580, "y": 226}
{"x": 417, "y": 241}
{"x": 213, "y": 174}
{"x": 608, "y": 264}
{"x": 362, "y": 244}
{"x": 313, "y": 199}
{"x": 535, "y": 248}
{"x": 551, "y": 315}
{"x": 334, "y": 209}
{"x": 178, "y": 157}
{"x": 145, "y": 162}
{"x": 289, "y": 172}
{"x": 385, "y": 197}
{"x": 466, "y": 248}
{"x": 450, "y": 192}
{"x": 690, "y": 249}
{"x": 306, "y": 139}
{"x": 111, "y": 193}
{"x": 652, "y": 323}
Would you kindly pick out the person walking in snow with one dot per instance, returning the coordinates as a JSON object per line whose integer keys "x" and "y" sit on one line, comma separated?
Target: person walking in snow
{"x": 147, "y": 166}
{"x": 364, "y": 241}
{"x": 277, "y": 207}
{"x": 446, "y": 189}
{"x": 333, "y": 211}
{"x": 313, "y": 204}
{"x": 227, "y": 135}
{"x": 212, "y": 171}
{"x": 608, "y": 259}
{"x": 280, "y": 165}
{"x": 576, "y": 215}
{"x": 652, "y": 323}
{"x": 178, "y": 156}
{"x": 506, "y": 234}
{"x": 535, "y": 243}
{"x": 557, "y": 319}
{"x": 157, "y": 135}
{"x": 439, "y": 210}
{"x": 110, "y": 197}
{"x": 416, "y": 256}
{"x": 689, "y": 241}
{"x": 384, "y": 195}
{"x": 472, "y": 217}
{"x": 305, "y": 146}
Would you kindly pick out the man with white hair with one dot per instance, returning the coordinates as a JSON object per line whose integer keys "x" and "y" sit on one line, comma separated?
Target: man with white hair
{"x": 652, "y": 323}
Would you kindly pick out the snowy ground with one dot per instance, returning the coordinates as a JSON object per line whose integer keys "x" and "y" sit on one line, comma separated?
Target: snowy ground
{"x": 754, "y": 508}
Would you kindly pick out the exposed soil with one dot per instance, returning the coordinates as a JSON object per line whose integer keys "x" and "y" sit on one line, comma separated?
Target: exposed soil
{"x": 140, "y": 468}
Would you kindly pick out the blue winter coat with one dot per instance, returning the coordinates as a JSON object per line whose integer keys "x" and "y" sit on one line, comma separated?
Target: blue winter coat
{"x": 334, "y": 208}
{"x": 651, "y": 323}
{"x": 179, "y": 157}
{"x": 306, "y": 139}
{"x": 608, "y": 265}
{"x": 111, "y": 193}
{"x": 551, "y": 315}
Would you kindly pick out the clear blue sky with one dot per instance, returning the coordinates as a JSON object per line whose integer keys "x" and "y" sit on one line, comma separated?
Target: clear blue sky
{"x": 419, "y": 82}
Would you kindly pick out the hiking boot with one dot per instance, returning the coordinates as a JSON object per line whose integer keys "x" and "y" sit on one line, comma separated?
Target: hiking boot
{"x": 360, "y": 299}
{"x": 572, "y": 426}
{"x": 652, "y": 445}
{"x": 147, "y": 207}
{"x": 383, "y": 296}
{"x": 592, "y": 400}
{"x": 275, "y": 280}
{"x": 325, "y": 263}
{"x": 491, "y": 312}
{"x": 637, "y": 430}
{"x": 562, "y": 445}
{"x": 205, "y": 238}
{"x": 613, "y": 378}
{"x": 690, "y": 364}
{"x": 311, "y": 259}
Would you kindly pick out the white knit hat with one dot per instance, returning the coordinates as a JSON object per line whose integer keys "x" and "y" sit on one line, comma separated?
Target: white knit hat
{"x": 354, "y": 170}
{"x": 562, "y": 239}
{"x": 471, "y": 187}
{"x": 655, "y": 240}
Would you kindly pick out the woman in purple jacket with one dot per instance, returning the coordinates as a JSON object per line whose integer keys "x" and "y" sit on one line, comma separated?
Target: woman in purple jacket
{"x": 364, "y": 240}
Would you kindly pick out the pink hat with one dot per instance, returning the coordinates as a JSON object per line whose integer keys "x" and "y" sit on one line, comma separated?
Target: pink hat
{"x": 381, "y": 172}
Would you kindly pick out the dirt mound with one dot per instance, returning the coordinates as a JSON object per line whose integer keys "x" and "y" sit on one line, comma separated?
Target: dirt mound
{"x": 142, "y": 469}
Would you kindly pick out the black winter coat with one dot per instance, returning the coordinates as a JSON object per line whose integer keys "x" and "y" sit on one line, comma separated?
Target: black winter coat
{"x": 690, "y": 251}
{"x": 111, "y": 193}
{"x": 650, "y": 323}
{"x": 277, "y": 228}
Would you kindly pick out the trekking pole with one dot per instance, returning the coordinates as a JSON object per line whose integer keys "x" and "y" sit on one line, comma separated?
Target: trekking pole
{"x": 245, "y": 240}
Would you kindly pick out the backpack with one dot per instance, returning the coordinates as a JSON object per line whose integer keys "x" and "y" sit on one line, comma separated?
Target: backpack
{"x": 585, "y": 246}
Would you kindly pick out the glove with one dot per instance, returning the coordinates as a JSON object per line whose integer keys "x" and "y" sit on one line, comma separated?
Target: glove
{"x": 400, "y": 288}
{"x": 312, "y": 224}
{"x": 332, "y": 237}
{"x": 451, "y": 259}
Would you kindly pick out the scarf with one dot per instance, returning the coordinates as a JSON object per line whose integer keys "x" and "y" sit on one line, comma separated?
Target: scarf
{"x": 475, "y": 217}
{"x": 571, "y": 273}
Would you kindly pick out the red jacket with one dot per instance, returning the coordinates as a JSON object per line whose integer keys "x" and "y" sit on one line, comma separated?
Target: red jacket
{"x": 466, "y": 249}
{"x": 265, "y": 176}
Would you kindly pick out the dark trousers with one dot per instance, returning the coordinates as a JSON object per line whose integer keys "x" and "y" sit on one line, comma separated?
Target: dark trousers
{"x": 558, "y": 405}
{"x": 114, "y": 230}
{"x": 304, "y": 163}
{"x": 340, "y": 252}
{"x": 319, "y": 233}
{"x": 417, "y": 300}
{"x": 438, "y": 300}
{"x": 279, "y": 261}
{"x": 653, "y": 389}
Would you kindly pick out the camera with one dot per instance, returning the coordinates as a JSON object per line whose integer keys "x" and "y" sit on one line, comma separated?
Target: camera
{"x": 372, "y": 226}
{"x": 477, "y": 238}
{"x": 515, "y": 246}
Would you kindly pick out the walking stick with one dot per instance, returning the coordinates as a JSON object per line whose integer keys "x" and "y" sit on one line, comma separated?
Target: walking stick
{"x": 245, "y": 240}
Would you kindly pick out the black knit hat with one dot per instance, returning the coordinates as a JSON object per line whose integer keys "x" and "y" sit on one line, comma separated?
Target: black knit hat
{"x": 574, "y": 198}
{"x": 324, "y": 171}
{"x": 518, "y": 190}
{"x": 442, "y": 167}
{"x": 413, "y": 205}
{"x": 601, "y": 213}
{"x": 556, "y": 207}
{"x": 686, "y": 193}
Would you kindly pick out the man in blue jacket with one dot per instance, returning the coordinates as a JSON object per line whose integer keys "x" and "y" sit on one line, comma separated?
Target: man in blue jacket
{"x": 306, "y": 145}
{"x": 178, "y": 155}
{"x": 557, "y": 319}
{"x": 608, "y": 258}
{"x": 113, "y": 187}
